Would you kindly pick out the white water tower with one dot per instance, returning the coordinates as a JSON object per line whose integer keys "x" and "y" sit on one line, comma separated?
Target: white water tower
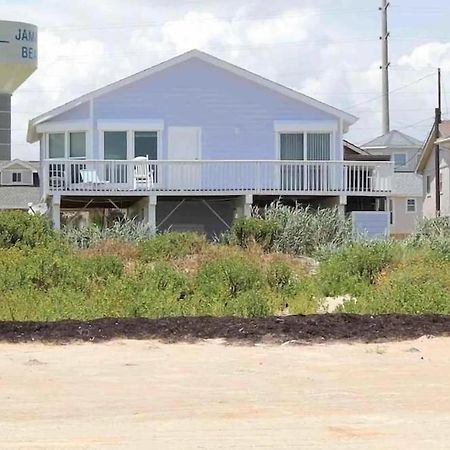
{"x": 18, "y": 60}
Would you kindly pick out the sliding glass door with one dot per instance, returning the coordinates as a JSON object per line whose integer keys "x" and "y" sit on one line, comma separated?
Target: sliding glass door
{"x": 304, "y": 147}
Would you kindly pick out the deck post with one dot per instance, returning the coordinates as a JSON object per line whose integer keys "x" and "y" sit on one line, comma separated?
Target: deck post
{"x": 56, "y": 211}
{"x": 144, "y": 210}
{"x": 151, "y": 212}
{"x": 342, "y": 204}
{"x": 244, "y": 206}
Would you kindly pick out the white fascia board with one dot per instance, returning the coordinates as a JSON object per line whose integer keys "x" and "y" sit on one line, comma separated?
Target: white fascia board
{"x": 375, "y": 147}
{"x": 130, "y": 125}
{"x": 60, "y": 127}
{"x": 292, "y": 126}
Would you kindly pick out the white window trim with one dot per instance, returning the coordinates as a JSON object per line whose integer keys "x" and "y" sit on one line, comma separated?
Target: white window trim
{"x": 67, "y": 144}
{"x": 130, "y": 127}
{"x": 415, "y": 206}
{"x": 296, "y": 126}
{"x": 305, "y": 142}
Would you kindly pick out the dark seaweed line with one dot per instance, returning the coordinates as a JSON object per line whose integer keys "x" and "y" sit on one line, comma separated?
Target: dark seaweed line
{"x": 309, "y": 328}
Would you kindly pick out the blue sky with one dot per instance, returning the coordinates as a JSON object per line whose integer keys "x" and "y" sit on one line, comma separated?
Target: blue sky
{"x": 328, "y": 49}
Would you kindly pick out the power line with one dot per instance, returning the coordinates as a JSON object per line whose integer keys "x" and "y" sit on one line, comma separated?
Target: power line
{"x": 391, "y": 91}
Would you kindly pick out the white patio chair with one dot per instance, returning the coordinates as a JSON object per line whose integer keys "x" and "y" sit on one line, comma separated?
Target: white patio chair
{"x": 143, "y": 174}
{"x": 90, "y": 176}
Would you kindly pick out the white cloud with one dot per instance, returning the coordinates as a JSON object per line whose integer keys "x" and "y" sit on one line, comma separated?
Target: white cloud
{"x": 293, "y": 25}
{"x": 426, "y": 56}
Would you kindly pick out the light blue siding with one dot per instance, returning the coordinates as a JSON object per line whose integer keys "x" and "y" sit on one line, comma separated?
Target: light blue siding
{"x": 80, "y": 112}
{"x": 236, "y": 115}
{"x": 371, "y": 223}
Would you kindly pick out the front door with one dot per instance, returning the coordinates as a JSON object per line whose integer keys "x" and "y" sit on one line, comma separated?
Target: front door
{"x": 184, "y": 145}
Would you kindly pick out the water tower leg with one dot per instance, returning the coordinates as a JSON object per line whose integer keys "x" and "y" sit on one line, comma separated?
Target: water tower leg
{"x": 5, "y": 124}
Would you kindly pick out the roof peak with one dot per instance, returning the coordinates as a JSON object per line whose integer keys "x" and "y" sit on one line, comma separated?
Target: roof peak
{"x": 348, "y": 119}
{"x": 391, "y": 139}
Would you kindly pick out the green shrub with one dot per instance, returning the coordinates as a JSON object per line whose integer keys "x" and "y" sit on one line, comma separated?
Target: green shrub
{"x": 349, "y": 269}
{"x": 246, "y": 231}
{"x": 54, "y": 265}
{"x": 281, "y": 277}
{"x": 417, "y": 286}
{"x": 170, "y": 245}
{"x": 21, "y": 228}
{"x": 250, "y": 304}
{"x": 228, "y": 277}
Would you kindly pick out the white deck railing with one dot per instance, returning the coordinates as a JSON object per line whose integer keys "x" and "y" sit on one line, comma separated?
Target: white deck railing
{"x": 98, "y": 177}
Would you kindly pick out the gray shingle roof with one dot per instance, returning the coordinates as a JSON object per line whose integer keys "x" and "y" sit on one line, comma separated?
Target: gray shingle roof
{"x": 393, "y": 139}
{"x": 18, "y": 197}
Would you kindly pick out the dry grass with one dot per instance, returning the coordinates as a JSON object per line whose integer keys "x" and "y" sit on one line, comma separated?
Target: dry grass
{"x": 191, "y": 264}
{"x": 126, "y": 251}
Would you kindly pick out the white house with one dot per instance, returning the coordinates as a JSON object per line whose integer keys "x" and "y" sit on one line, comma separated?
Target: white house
{"x": 405, "y": 202}
{"x": 19, "y": 184}
{"x": 427, "y": 167}
{"x": 195, "y": 141}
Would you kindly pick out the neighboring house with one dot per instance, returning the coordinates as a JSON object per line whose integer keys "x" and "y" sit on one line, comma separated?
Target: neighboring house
{"x": 405, "y": 202}
{"x": 19, "y": 184}
{"x": 427, "y": 168}
{"x": 194, "y": 142}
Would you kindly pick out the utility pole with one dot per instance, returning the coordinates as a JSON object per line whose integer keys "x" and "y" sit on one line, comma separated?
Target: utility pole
{"x": 384, "y": 67}
{"x": 437, "y": 156}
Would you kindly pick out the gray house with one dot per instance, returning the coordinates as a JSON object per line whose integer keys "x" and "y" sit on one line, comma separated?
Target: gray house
{"x": 19, "y": 184}
{"x": 193, "y": 142}
{"x": 405, "y": 202}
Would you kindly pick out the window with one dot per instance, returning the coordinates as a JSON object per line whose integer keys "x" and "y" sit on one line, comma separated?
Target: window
{"x": 115, "y": 145}
{"x": 411, "y": 205}
{"x": 399, "y": 159}
{"x": 56, "y": 145}
{"x": 17, "y": 177}
{"x": 77, "y": 144}
{"x": 146, "y": 144}
{"x": 318, "y": 146}
{"x": 291, "y": 146}
{"x": 76, "y": 141}
{"x": 428, "y": 184}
